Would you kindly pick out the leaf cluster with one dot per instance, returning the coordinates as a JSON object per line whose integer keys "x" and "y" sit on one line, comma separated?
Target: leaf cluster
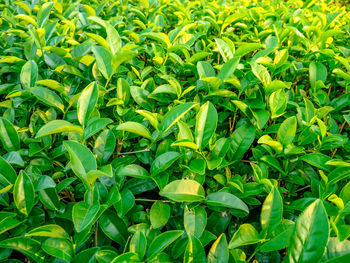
{"x": 174, "y": 131}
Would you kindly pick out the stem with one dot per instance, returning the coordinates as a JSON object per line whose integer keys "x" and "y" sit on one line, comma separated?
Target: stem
{"x": 140, "y": 151}
{"x": 92, "y": 195}
{"x": 65, "y": 112}
{"x": 255, "y": 251}
{"x": 151, "y": 200}
{"x": 96, "y": 230}
{"x": 108, "y": 80}
{"x": 166, "y": 58}
{"x": 340, "y": 131}
{"x": 233, "y": 122}
{"x": 152, "y": 142}
{"x": 303, "y": 188}
{"x": 53, "y": 140}
{"x": 126, "y": 244}
{"x": 342, "y": 127}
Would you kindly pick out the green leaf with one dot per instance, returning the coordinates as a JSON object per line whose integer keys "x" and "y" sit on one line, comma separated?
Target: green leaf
{"x": 104, "y": 146}
{"x": 135, "y": 127}
{"x": 287, "y": 130}
{"x": 54, "y": 231}
{"x": 228, "y": 69}
{"x": 105, "y": 256}
{"x": 174, "y": 115}
{"x": 93, "y": 175}
{"x": 8, "y": 221}
{"x": 138, "y": 244}
{"x": 245, "y": 235}
{"x": 195, "y": 221}
{"x": 241, "y": 140}
{"x": 114, "y": 227}
{"x": 161, "y": 242}
{"x": 164, "y": 89}
{"x": 6, "y": 189}
{"x": 338, "y": 174}
{"x": 133, "y": 170}
{"x": 122, "y": 56}
{"x": 81, "y": 159}
{"x": 126, "y": 203}
{"x": 309, "y": 110}
{"x": 183, "y": 191}
{"x": 275, "y": 85}
{"x": 140, "y": 96}
{"x": 281, "y": 57}
{"x": 198, "y": 56}
{"x": 126, "y": 258}
{"x": 222, "y": 199}
{"x": 273, "y": 163}
{"x": 337, "y": 251}
{"x": 185, "y": 132}
{"x": 185, "y": 143}
{"x": 206, "y": 123}
{"x": 317, "y": 159}
{"x": 23, "y": 193}
{"x": 219, "y": 252}
{"x": 151, "y": 117}
{"x": 9, "y": 136}
{"x": 103, "y": 61}
{"x": 311, "y": 234}
{"x": 8, "y": 175}
{"x": 247, "y": 48}
{"x": 341, "y": 102}
{"x": 261, "y": 73}
{"x": 272, "y": 211}
{"x": 163, "y": 162}
{"x": 48, "y": 97}
{"x": 95, "y": 126}
{"x": 58, "y": 248}
{"x": 87, "y": 103}
{"x": 29, "y": 74}
{"x": 98, "y": 39}
{"x": 318, "y": 72}
{"x": 113, "y": 38}
{"x": 281, "y": 236}
{"x": 205, "y": 70}
{"x": 113, "y": 196}
{"x": 43, "y": 13}
{"x": 58, "y": 126}
{"x": 266, "y": 139}
{"x": 26, "y": 246}
{"x": 224, "y": 49}
{"x": 214, "y": 83}
{"x": 83, "y": 215}
{"x": 159, "y": 37}
{"x": 159, "y": 214}
{"x": 123, "y": 90}
{"x": 194, "y": 251}
{"x": 260, "y": 118}
{"x": 278, "y": 103}
{"x": 207, "y": 237}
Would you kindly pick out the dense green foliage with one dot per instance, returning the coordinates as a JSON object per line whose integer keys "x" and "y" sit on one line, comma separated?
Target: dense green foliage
{"x": 174, "y": 131}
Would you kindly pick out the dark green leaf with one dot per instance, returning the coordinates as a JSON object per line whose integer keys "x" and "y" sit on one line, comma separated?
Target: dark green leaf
{"x": 311, "y": 234}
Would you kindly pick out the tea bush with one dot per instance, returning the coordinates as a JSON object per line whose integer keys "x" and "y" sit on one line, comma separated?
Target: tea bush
{"x": 174, "y": 131}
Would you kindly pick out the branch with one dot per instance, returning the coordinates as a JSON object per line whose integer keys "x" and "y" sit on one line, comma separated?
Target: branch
{"x": 140, "y": 151}
{"x": 151, "y": 200}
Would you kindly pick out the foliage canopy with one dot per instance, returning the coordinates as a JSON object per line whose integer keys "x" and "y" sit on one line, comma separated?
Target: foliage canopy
{"x": 174, "y": 131}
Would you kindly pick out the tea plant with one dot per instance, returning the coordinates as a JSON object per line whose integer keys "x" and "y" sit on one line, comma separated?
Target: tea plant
{"x": 174, "y": 131}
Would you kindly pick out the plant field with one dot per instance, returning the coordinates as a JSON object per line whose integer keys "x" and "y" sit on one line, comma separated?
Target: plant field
{"x": 174, "y": 131}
